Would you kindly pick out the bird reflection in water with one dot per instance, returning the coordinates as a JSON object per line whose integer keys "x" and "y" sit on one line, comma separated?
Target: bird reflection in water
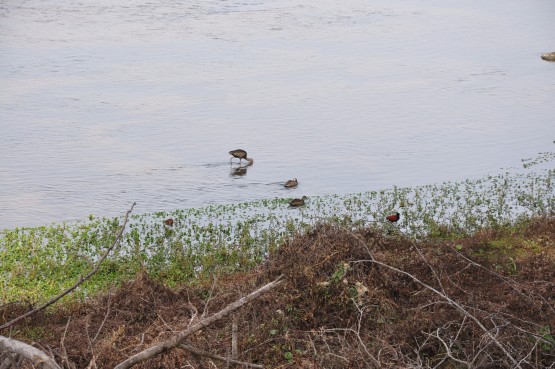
{"x": 240, "y": 170}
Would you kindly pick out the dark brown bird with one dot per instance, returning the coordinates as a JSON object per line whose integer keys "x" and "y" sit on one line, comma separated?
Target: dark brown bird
{"x": 394, "y": 218}
{"x": 240, "y": 154}
{"x": 297, "y": 202}
{"x": 169, "y": 222}
{"x": 291, "y": 183}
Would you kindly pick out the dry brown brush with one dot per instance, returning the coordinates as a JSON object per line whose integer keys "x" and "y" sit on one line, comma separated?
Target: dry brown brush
{"x": 351, "y": 299}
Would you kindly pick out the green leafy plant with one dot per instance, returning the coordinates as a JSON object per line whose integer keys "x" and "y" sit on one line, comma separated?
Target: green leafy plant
{"x": 39, "y": 262}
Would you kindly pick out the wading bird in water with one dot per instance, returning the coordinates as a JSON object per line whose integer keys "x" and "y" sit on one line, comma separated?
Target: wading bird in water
{"x": 240, "y": 154}
{"x": 291, "y": 183}
{"x": 297, "y": 202}
{"x": 169, "y": 222}
{"x": 393, "y": 218}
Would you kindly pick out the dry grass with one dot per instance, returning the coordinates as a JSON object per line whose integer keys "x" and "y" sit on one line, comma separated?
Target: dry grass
{"x": 342, "y": 306}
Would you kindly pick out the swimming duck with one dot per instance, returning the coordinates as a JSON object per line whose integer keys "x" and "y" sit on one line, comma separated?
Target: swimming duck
{"x": 297, "y": 202}
{"x": 549, "y": 56}
{"x": 291, "y": 183}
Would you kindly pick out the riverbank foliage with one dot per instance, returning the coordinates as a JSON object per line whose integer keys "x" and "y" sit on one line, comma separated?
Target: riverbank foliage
{"x": 366, "y": 297}
{"x": 40, "y": 262}
{"x": 464, "y": 279}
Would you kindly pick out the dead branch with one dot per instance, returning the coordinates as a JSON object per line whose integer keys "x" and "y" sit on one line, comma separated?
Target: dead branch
{"x": 205, "y": 311}
{"x": 429, "y": 266}
{"x": 63, "y": 353}
{"x": 234, "y": 346}
{"x": 511, "y": 282}
{"x": 200, "y": 352}
{"x": 176, "y": 340}
{"x": 92, "y": 363}
{"x": 448, "y": 352}
{"x": 79, "y": 282}
{"x": 29, "y": 352}
{"x": 452, "y": 303}
{"x": 105, "y": 317}
{"x": 10, "y": 361}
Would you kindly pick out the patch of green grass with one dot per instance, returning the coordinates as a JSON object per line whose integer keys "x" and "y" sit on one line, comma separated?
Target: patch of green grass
{"x": 548, "y": 338}
{"x": 36, "y": 333}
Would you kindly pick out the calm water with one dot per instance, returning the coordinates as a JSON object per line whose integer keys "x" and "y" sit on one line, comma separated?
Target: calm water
{"x": 106, "y": 102}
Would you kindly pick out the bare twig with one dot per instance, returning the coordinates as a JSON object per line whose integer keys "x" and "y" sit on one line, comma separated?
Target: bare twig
{"x": 234, "y": 328}
{"x": 176, "y": 340}
{"x": 200, "y": 352}
{"x": 448, "y": 352}
{"x": 9, "y": 362}
{"x": 511, "y": 282}
{"x": 28, "y": 352}
{"x": 78, "y": 283}
{"x": 92, "y": 363}
{"x": 451, "y": 302}
{"x": 357, "y": 333}
{"x": 194, "y": 313}
{"x": 359, "y": 340}
{"x": 62, "y": 343}
{"x": 105, "y": 317}
{"x": 205, "y": 311}
{"x": 429, "y": 266}
{"x": 523, "y": 360}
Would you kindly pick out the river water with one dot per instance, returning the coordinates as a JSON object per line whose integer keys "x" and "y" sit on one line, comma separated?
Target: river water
{"x": 106, "y": 102}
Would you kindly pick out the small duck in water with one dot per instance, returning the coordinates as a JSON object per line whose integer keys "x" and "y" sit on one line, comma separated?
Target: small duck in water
{"x": 240, "y": 154}
{"x": 549, "y": 56}
{"x": 291, "y": 183}
{"x": 169, "y": 222}
{"x": 297, "y": 202}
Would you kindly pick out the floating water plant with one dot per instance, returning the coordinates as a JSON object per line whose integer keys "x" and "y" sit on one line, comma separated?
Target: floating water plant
{"x": 39, "y": 262}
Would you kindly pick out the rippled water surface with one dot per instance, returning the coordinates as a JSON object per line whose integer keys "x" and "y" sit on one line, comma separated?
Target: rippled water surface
{"x": 103, "y": 103}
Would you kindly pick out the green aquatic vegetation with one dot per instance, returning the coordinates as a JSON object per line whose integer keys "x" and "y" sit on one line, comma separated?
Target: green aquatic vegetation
{"x": 40, "y": 262}
{"x": 542, "y": 157}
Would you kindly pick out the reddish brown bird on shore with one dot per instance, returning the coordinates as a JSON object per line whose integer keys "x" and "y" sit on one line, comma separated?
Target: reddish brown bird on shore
{"x": 169, "y": 222}
{"x": 394, "y": 218}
